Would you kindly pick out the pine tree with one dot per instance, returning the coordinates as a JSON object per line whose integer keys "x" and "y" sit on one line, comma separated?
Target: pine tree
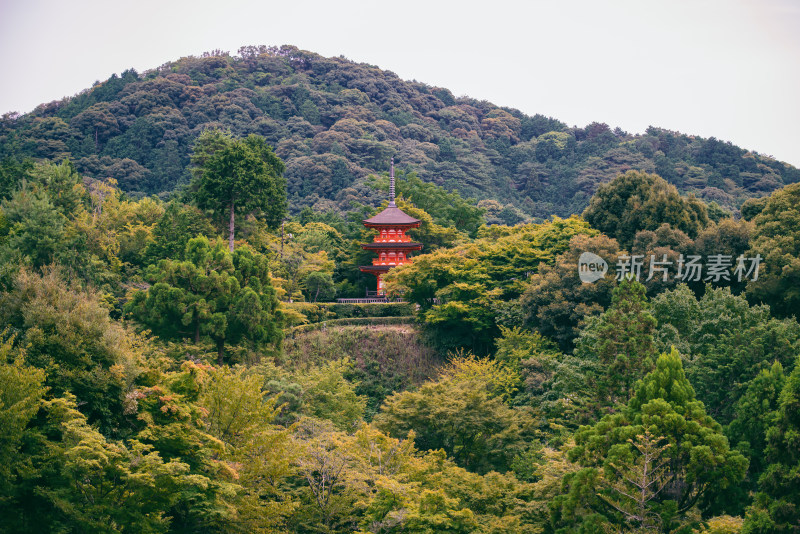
{"x": 777, "y": 506}
{"x": 621, "y": 341}
{"x": 697, "y": 461}
{"x": 633, "y": 484}
{"x": 226, "y": 296}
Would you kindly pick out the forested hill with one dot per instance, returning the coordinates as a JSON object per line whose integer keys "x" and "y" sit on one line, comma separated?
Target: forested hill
{"x": 334, "y": 122}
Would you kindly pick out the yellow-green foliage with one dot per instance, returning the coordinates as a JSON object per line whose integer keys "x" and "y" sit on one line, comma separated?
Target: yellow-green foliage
{"x": 463, "y": 413}
{"x": 21, "y": 389}
{"x": 500, "y": 380}
{"x": 503, "y": 262}
{"x": 517, "y": 345}
{"x": 558, "y": 139}
{"x": 235, "y": 404}
{"x": 118, "y": 230}
{"x": 297, "y": 313}
{"x": 329, "y": 396}
{"x": 777, "y": 239}
{"x": 68, "y": 334}
{"x": 723, "y": 524}
{"x": 458, "y": 289}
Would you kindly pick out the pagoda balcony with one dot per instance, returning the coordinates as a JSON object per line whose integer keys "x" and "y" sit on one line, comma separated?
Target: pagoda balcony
{"x": 402, "y": 238}
{"x": 391, "y": 263}
{"x": 392, "y": 245}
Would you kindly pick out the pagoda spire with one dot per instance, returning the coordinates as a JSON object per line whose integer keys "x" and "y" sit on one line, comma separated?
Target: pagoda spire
{"x": 391, "y": 187}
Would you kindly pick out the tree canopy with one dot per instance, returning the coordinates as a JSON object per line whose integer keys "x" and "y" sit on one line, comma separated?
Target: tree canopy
{"x": 226, "y": 296}
{"x": 654, "y": 460}
{"x": 172, "y": 361}
{"x": 637, "y": 201}
{"x": 776, "y": 238}
{"x": 239, "y": 175}
{"x": 334, "y": 122}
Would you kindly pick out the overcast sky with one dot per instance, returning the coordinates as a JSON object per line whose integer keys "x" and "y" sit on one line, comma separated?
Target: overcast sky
{"x": 728, "y": 69}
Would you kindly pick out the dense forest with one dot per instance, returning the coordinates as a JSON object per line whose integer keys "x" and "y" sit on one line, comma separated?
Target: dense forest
{"x": 173, "y": 360}
{"x": 333, "y": 122}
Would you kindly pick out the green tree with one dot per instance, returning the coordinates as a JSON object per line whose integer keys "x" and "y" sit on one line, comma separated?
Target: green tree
{"x": 728, "y": 237}
{"x": 464, "y": 414}
{"x": 777, "y": 506}
{"x": 776, "y": 238}
{"x": 638, "y": 201}
{"x": 332, "y": 475}
{"x": 21, "y": 389}
{"x": 12, "y": 174}
{"x": 716, "y": 213}
{"x": 174, "y": 229}
{"x": 36, "y": 227}
{"x": 755, "y": 414}
{"x": 68, "y": 334}
{"x": 697, "y": 461}
{"x": 436, "y": 512}
{"x": 175, "y": 423}
{"x": 612, "y": 352}
{"x": 69, "y": 477}
{"x": 118, "y": 230}
{"x": 752, "y": 207}
{"x": 727, "y": 342}
{"x": 556, "y": 302}
{"x": 425, "y": 492}
{"x": 106, "y": 486}
{"x": 516, "y": 347}
{"x": 64, "y": 186}
{"x": 75, "y": 480}
{"x": 631, "y": 484}
{"x": 239, "y": 175}
{"x": 664, "y": 241}
{"x": 328, "y": 395}
{"x": 621, "y": 341}
{"x": 724, "y": 524}
{"x": 239, "y": 414}
{"x": 226, "y": 296}
{"x": 319, "y": 286}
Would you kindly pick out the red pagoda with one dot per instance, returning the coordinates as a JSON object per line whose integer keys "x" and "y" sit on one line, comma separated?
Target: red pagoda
{"x": 391, "y": 242}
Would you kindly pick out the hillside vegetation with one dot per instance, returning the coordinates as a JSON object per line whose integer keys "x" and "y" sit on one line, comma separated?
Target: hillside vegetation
{"x": 176, "y": 363}
{"x": 334, "y": 121}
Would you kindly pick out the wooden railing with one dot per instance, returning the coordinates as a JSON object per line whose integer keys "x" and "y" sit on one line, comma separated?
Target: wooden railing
{"x": 373, "y": 300}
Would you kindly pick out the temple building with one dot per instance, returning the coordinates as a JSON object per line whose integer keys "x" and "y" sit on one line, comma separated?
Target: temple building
{"x": 391, "y": 243}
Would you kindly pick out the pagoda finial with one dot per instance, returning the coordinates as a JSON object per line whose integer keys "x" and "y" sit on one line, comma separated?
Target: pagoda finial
{"x": 391, "y": 186}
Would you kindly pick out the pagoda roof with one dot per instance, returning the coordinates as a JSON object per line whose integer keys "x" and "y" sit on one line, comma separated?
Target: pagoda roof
{"x": 390, "y": 216}
{"x": 397, "y": 245}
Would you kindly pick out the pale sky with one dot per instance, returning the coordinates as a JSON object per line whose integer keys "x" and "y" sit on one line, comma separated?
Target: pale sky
{"x": 723, "y": 68}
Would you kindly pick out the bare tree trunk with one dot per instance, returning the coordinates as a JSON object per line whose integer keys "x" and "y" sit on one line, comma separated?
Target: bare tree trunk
{"x": 230, "y": 230}
{"x": 197, "y": 333}
{"x": 220, "y": 351}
